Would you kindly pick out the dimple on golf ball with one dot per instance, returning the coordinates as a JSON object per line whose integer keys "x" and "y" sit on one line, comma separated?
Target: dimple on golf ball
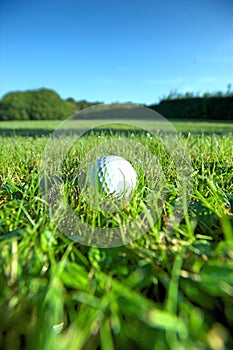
{"x": 112, "y": 176}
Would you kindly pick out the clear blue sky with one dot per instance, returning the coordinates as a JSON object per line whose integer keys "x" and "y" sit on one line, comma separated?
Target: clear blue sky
{"x": 132, "y": 50}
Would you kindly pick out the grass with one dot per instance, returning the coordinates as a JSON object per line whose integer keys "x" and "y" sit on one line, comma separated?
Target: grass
{"x": 44, "y": 127}
{"x": 165, "y": 290}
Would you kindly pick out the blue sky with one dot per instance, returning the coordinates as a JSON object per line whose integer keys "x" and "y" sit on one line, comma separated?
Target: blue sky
{"x": 132, "y": 50}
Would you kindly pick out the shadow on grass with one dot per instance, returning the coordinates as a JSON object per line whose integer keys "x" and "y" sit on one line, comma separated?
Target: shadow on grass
{"x": 7, "y": 132}
{"x": 37, "y": 132}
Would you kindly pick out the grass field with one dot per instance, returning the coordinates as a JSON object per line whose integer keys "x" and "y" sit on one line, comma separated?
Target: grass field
{"x": 38, "y": 127}
{"x": 164, "y": 290}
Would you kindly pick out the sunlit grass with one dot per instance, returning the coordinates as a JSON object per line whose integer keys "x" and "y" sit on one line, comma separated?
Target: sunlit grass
{"x": 159, "y": 292}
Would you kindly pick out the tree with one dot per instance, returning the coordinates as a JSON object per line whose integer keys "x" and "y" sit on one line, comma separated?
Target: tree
{"x": 38, "y": 104}
{"x": 228, "y": 93}
{"x": 14, "y": 106}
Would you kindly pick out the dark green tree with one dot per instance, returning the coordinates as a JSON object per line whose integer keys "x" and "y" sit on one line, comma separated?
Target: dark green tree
{"x": 14, "y": 106}
{"x": 35, "y": 105}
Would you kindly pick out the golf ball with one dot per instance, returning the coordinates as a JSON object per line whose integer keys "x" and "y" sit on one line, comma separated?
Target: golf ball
{"x": 113, "y": 176}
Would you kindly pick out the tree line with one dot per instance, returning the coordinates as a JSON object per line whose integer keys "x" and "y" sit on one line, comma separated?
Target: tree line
{"x": 44, "y": 104}
{"x": 216, "y": 106}
{"x": 41, "y": 104}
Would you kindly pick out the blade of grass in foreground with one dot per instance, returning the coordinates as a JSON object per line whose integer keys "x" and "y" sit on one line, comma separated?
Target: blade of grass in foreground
{"x": 172, "y": 297}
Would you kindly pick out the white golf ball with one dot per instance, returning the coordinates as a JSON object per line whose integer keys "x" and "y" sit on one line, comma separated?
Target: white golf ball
{"x": 113, "y": 176}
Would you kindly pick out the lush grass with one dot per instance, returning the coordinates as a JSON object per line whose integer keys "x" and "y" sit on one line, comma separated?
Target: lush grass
{"x": 162, "y": 291}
